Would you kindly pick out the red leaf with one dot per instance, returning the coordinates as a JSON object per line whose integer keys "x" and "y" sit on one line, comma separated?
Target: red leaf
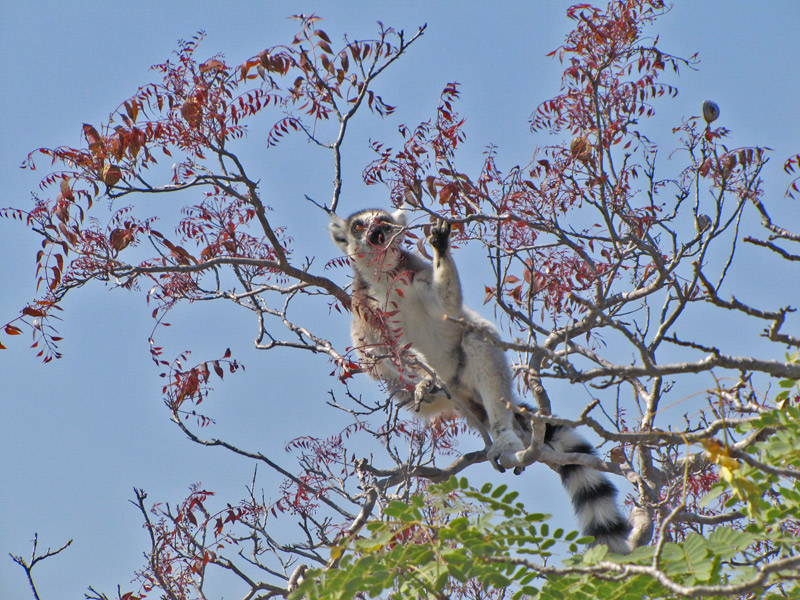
{"x": 212, "y": 64}
{"x": 66, "y": 191}
{"x": 91, "y": 134}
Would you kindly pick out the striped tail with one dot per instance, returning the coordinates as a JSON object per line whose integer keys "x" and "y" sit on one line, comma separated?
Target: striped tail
{"x": 593, "y": 495}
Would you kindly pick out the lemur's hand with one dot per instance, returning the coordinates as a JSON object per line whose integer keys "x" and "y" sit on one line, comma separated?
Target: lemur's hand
{"x": 439, "y": 238}
{"x": 426, "y": 390}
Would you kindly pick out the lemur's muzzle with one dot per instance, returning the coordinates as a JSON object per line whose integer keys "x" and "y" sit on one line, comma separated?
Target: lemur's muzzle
{"x": 379, "y": 234}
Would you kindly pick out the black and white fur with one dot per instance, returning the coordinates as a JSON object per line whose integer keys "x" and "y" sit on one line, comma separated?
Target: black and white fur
{"x": 399, "y": 304}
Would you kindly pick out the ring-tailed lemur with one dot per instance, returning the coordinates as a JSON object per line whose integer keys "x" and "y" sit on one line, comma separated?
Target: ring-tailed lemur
{"x": 400, "y": 332}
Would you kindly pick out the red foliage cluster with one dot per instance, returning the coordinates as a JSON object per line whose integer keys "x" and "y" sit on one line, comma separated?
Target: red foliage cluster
{"x": 789, "y": 167}
{"x": 190, "y": 384}
{"x": 426, "y": 150}
{"x": 442, "y": 435}
{"x": 325, "y": 462}
{"x": 194, "y": 109}
{"x": 323, "y": 75}
{"x": 191, "y": 116}
{"x": 184, "y": 542}
{"x": 725, "y": 168}
{"x": 610, "y": 76}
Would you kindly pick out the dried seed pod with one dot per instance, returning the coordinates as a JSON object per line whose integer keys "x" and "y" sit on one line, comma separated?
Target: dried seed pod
{"x": 192, "y": 111}
{"x": 710, "y": 111}
{"x": 702, "y": 223}
{"x": 111, "y": 175}
{"x": 581, "y": 148}
{"x": 120, "y": 239}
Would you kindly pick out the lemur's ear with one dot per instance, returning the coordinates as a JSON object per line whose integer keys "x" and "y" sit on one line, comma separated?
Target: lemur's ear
{"x": 399, "y": 217}
{"x": 338, "y": 230}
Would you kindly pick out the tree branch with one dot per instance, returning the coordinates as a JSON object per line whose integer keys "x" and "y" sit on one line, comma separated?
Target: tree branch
{"x": 28, "y": 565}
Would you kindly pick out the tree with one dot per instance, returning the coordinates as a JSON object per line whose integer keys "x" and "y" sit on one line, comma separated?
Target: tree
{"x": 602, "y": 269}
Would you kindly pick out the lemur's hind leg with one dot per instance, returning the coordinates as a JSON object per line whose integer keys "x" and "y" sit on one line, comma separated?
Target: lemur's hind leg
{"x": 488, "y": 374}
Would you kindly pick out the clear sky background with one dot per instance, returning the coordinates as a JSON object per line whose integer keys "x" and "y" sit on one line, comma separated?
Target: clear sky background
{"x": 78, "y": 434}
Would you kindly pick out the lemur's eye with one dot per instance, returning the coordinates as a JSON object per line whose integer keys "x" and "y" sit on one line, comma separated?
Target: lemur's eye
{"x": 358, "y": 226}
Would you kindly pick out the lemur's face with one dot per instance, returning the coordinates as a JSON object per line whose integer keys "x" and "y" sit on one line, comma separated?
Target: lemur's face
{"x": 375, "y": 228}
{"x": 370, "y": 234}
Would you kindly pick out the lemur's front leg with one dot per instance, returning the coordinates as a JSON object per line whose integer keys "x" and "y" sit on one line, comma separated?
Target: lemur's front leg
{"x": 445, "y": 275}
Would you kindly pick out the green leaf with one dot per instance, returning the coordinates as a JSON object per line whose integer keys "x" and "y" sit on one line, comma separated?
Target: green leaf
{"x": 716, "y": 490}
{"x": 499, "y": 490}
{"x": 527, "y": 590}
{"x": 726, "y": 543}
{"x": 595, "y": 554}
{"x": 396, "y": 509}
{"x": 457, "y": 573}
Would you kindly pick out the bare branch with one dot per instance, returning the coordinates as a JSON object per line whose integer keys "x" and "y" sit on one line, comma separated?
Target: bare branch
{"x": 35, "y": 558}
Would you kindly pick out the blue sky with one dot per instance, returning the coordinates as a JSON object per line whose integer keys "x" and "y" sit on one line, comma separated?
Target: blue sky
{"x": 77, "y": 435}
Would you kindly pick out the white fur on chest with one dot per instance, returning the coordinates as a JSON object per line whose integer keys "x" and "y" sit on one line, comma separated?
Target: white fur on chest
{"x": 416, "y": 317}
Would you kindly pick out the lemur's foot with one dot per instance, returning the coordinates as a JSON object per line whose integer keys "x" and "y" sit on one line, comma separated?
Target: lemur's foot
{"x": 439, "y": 238}
{"x": 503, "y": 451}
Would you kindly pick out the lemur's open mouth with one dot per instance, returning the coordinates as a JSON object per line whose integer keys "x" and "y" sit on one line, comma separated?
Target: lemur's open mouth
{"x": 377, "y": 236}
